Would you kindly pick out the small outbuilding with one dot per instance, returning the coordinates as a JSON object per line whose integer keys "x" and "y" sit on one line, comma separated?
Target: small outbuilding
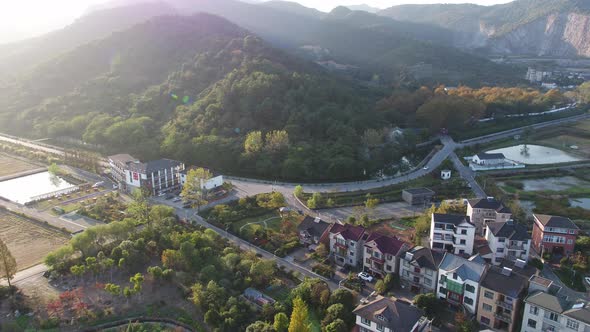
{"x": 445, "y": 174}
{"x": 418, "y": 196}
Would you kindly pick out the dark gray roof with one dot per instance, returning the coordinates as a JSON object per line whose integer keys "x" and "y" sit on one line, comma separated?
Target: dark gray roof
{"x": 555, "y": 221}
{"x": 574, "y": 308}
{"x": 489, "y": 156}
{"x": 315, "y": 227}
{"x": 489, "y": 204}
{"x": 510, "y": 285}
{"x": 579, "y": 311}
{"x": 509, "y": 230}
{"x": 455, "y": 219}
{"x": 526, "y": 270}
{"x": 398, "y": 315}
{"x": 425, "y": 258}
{"x": 464, "y": 268}
{"x": 153, "y": 166}
{"x": 419, "y": 191}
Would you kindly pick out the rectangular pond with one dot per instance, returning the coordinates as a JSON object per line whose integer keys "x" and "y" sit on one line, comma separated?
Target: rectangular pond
{"x": 24, "y": 189}
{"x": 536, "y": 155}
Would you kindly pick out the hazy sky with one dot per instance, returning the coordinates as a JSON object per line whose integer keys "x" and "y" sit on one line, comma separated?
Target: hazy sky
{"x": 25, "y": 18}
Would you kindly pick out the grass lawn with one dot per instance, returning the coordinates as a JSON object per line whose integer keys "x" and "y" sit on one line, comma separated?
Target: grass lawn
{"x": 252, "y": 220}
{"x": 574, "y": 282}
{"x": 278, "y": 293}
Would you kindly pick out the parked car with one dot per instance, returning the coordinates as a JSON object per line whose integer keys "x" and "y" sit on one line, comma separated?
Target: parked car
{"x": 169, "y": 197}
{"x": 177, "y": 199}
{"x": 366, "y": 277}
{"x": 426, "y": 168}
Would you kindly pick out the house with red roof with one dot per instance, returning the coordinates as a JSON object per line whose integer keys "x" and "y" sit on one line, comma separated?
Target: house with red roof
{"x": 382, "y": 254}
{"x": 346, "y": 244}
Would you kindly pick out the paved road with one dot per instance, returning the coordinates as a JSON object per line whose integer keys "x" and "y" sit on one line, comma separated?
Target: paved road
{"x": 70, "y": 226}
{"x": 548, "y": 273}
{"x": 26, "y": 275}
{"x": 468, "y": 175}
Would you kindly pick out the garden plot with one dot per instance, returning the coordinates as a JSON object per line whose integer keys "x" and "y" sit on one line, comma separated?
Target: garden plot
{"x": 10, "y": 165}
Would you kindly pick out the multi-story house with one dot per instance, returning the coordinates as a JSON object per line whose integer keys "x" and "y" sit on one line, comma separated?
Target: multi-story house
{"x": 484, "y": 210}
{"x": 382, "y": 314}
{"x": 311, "y": 230}
{"x": 382, "y": 254}
{"x": 552, "y": 312}
{"x": 157, "y": 176}
{"x": 452, "y": 233}
{"x": 458, "y": 280}
{"x": 500, "y": 299}
{"x": 118, "y": 166}
{"x": 419, "y": 269}
{"x": 553, "y": 234}
{"x": 507, "y": 240}
{"x": 346, "y": 244}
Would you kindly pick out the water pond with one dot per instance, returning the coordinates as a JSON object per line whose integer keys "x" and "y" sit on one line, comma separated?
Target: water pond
{"x": 535, "y": 155}
{"x": 584, "y": 203}
{"x": 22, "y": 190}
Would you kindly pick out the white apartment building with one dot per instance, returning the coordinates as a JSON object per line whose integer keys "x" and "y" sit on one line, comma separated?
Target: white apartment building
{"x": 346, "y": 244}
{"x": 452, "y": 233}
{"x": 507, "y": 240}
{"x": 547, "y": 312}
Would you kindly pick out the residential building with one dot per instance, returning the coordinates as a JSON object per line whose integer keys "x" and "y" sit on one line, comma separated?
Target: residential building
{"x": 210, "y": 184}
{"x": 520, "y": 267}
{"x": 118, "y": 165}
{"x": 553, "y": 234}
{"x": 311, "y": 230}
{"x": 382, "y": 254}
{"x": 484, "y": 210}
{"x": 458, "y": 280}
{"x": 488, "y": 159}
{"x": 382, "y": 314}
{"x": 419, "y": 269}
{"x": 553, "y": 312}
{"x": 418, "y": 196}
{"x": 158, "y": 176}
{"x": 452, "y": 233}
{"x": 445, "y": 174}
{"x": 500, "y": 299}
{"x": 346, "y": 244}
{"x": 508, "y": 240}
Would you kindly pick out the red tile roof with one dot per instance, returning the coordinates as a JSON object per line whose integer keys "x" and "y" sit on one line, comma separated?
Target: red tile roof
{"x": 348, "y": 231}
{"x": 386, "y": 244}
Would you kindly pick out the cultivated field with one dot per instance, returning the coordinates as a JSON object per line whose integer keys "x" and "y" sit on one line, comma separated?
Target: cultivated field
{"x": 10, "y": 165}
{"x": 28, "y": 240}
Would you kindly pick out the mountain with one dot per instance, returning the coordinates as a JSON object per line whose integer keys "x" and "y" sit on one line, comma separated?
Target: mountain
{"x": 197, "y": 88}
{"x": 531, "y": 27}
{"x": 96, "y": 25}
{"x": 364, "y": 7}
{"x": 293, "y": 8}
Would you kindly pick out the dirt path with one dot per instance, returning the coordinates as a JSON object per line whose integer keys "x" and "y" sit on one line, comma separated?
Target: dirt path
{"x": 259, "y": 222}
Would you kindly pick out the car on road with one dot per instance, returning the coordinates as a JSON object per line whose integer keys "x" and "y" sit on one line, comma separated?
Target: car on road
{"x": 587, "y": 279}
{"x": 365, "y": 276}
{"x": 177, "y": 199}
{"x": 426, "y": 168}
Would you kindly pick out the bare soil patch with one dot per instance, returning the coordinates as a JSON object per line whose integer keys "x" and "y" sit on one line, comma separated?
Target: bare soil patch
{"x": 28, "y": 240}
{"x": 10, "y": 165}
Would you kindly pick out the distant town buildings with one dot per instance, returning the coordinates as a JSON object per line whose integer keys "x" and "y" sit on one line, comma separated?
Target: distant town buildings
{"x": 534, "y": 75}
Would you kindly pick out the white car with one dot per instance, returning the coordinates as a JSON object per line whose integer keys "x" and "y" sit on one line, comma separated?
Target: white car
{"x": 587, "y": 279}
{"x": 365, "y": 276}
{"x": 426, "y": 168}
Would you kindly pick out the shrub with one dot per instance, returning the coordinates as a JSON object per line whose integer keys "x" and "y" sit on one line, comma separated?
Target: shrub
{"x": 324, "y": 270}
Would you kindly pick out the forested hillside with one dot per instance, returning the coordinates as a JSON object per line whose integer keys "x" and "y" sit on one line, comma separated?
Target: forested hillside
{"x": 207, "y": 92}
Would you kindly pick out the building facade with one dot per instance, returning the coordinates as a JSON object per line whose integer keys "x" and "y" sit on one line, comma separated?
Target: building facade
{"x": 452, "y": 233}
{"x": 346, "y": 244}
{"x": 552, "y": 312}
{"x": 158, "y": 176}
{"x": 507, "y": 240}
{"x": 458, "y": 281}
{"x": 119, "y": 165}
{"x": 419, "y": 270}
{"x": 418, "y": 196}
{"x": 488, "y": 159}
{"x": 500, "y": 299}
{"x": 382, "y": 314}
{"x": 311, "y": 230}
{"x": 382, "y": 254}
{"x": 484, "y": 210}
{"x": 553, "y": 234}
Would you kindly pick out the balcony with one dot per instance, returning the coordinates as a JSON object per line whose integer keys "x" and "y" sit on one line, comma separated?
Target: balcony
{"x": 504, "y": 317}
{"x": 378, "y": 260}
{"x": 515, "y": 247}
{"x": 506, "y": 305}
{"x": 342, "y": 246}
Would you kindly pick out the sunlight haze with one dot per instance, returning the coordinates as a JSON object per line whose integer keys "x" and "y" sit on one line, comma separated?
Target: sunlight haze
{"x": 28, "y": 18}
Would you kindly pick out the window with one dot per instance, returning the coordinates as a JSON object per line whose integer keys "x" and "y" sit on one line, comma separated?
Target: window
{"x": 486, "y": 307}
{"x": 416, "y": 270}
{"x": 572, "y": 324}
{"x": 469, "y": 288}
{"x": 463, "y": 232}
{"x": 551, "y": 316}
{"x": 376, "y": 254}
{"x": 572, "y": 231}
{"x": 352, "y": 244}
{"x": 388, "y": 268}
{"x": 534, "y": 310}
{"x": 429, "y": 272}
{"x": 416, "y": 280}
{"x": 468, "y": 300}
{"x": 500, "y": 250}
{"x": 365, "y": 321}
{"x": 461, "y": 252}
{"x": 443, "y": 278}
{"x": 389, "y": 257}
{"x": 380, "y": 327}
{"x": 498, "y": 259}
{"x": 570, "y": 241}
{"x": 501, "y": 239}
{"x": 406, "y": 273}
{"x": 427, "y": 281}
{"x": 532, "y": 323}
{"x": 406, "y": 264}
{"x": 462, "y": 242}
{"x": 369, "y": 251}
{"x": 485, "y": 320}
{"x": 455, "y": 276}
{"x": 380, "y": 317}
{"x": 368, "y": 260}
{"x": 488, "y": 295}
{"x": 442, "y": 290}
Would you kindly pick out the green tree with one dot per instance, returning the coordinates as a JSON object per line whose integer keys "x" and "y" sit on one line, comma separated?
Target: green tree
{"x": 429, "y": 303}
{"x": 298, "y": 192}
{"x": 54, "y": 169}
{"x": 371, "y": 203}
{"x": 139, "y": 208}
{"x": 78, "y": 270}
{"x": 259, "y": 326}
{"x": 277, "y": 141}
{"x": 337, "y": 326}
{"x": 299, "y": 321}
{"x": 253, "y": 143}
{"x": 281, "y": 322}
{"x": 113, "y": 289}
{"x": 7, "y": 263}
{"x": 193, "y": 190}
{"x": 137, "y": 281}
